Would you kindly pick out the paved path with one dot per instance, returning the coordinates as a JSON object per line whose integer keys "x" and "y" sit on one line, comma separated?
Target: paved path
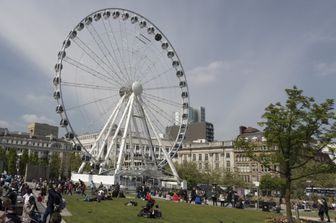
{"x": 314, "y": 219}
{"x": 42, "y": 205}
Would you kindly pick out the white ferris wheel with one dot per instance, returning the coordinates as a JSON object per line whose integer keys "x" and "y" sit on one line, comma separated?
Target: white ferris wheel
{"x": 118, "y": 75}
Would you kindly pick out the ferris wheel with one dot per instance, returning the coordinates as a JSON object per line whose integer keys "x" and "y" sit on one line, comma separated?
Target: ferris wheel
{"x": 119, "y": 76}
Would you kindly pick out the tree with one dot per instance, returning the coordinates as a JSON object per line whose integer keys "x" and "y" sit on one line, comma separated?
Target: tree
{"x": 75, "y": 161}
{"x": 271, "y": 183}
{"x": 231, "y": 179}
{"x": 188, "y": 171}
{"x": 12, "y": 159}
{"x": 3, "y": 158}
{"x": 55, "y": 165}
{"x": 296, "y": 132}
{"x": 24, "y": 159}
{"x": 33, "y": 158}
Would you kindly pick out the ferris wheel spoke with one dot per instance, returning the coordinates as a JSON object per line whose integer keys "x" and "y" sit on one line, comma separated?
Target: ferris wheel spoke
{"x": 95, "y": 58}
{"x": 89, "y": 86}
{"x": 139, "y": 64}
{"x": 159, "y": 126}
{"x": 108, "y": 51}
{"x": 109, "y": 65}
{"x": 91, "y": 102}
{"x": 118, "y": 49}
{"x": 163, "y": 100}
{"x": 161, "y": 88}
{"x": 157, "y": 76}
{"x": 128, "y": 50}
{"x": 159, "y": 110}
{"x": 114, "y": 56}
{"x": 101, "y": 116}
{"x": 89, "y": 70}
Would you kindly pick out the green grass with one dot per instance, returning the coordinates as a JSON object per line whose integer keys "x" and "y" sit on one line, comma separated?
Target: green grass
{"x": 115, "y": 211}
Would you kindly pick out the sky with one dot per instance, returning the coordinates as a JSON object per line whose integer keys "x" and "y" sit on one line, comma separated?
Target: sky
{"x": 238, "y": 55}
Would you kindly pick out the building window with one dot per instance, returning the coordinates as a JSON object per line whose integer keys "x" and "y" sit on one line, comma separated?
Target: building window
{"x": 206, "y": 166}
{"x": 228, "y": 164}
{"x": 194, "y": 157}
{"x": 185, "y": 158}
{"x": 217, "y": 165}
{"x": 206, "y": 157}
{"x": 227, "y": 155}
{"x": 217, "y": 156}
{"x": 199, "y": 156}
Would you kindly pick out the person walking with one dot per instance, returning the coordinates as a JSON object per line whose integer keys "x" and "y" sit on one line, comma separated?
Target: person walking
{"x": 326, "y": 208}
{"x": 50, "y": 203}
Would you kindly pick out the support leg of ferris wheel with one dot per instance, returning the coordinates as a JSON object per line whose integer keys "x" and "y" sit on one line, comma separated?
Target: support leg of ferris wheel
{"x": 101, "y": 148}
{"x": 170, "y": 162}
{"x": 141, "y": 145}
{"x": 146, "y": 128}
{"x": 123, "y": 139}
{"x": 113, "y": 116}
{"x": 114, "y": 136}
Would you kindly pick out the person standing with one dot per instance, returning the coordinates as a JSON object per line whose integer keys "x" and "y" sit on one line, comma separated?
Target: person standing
{"x": 326, "y": 208}
{"x": 214, "y": 197}
{"x": 221, "y": 199}
{"x": 50, "y": 203}
{"x": 28, "y": 209}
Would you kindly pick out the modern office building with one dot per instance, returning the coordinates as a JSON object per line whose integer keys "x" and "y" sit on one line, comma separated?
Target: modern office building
{"x": 198, "y": 127}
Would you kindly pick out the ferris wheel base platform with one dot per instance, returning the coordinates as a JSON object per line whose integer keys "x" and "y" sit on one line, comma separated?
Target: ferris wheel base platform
{"x": 125, "y": 182}
{"x": 87, "y": 178}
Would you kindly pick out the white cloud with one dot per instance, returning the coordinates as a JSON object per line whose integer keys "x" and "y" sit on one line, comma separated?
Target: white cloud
{"x": 4, "y": 124}
{"x": 206, "y": 74}
{"x": 325, "y": 69}
{"x": 29, "y": 118}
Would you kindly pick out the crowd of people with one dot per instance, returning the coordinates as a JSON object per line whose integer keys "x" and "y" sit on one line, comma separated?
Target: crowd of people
{"x": 18, "y": 203}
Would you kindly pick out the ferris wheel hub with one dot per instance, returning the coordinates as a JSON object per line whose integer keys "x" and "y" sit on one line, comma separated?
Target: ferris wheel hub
{"x": 137, "y": 88}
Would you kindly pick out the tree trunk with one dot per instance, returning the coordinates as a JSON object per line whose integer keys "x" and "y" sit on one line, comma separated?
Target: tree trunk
{"x": 288, "y": 202}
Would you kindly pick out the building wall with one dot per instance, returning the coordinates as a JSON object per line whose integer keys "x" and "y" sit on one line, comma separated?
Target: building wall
{"x": 249, "y": 170}
{"x": 195, "y": 131}
{"x": 208, "y": 156}
{"x": 40, "y": 129}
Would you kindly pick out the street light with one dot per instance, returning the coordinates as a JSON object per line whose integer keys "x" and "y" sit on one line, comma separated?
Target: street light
{"x": 257, "y": 183}
{"x": 18, "y": 162}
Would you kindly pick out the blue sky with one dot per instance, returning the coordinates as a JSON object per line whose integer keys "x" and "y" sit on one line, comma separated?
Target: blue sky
{"x": 238, "y": 56}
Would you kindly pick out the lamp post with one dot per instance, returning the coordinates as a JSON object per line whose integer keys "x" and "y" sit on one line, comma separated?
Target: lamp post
{"x": 18, "y": 163}
{"x": 257, "y": 183}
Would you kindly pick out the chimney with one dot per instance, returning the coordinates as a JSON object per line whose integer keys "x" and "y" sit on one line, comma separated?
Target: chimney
{"x": 242, "y": 129}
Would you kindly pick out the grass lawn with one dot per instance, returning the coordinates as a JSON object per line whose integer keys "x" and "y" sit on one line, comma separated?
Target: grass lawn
{"x": 115, "y": 211}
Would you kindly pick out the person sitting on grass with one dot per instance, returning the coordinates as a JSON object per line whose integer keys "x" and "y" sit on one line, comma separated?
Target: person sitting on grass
{"x": 176, "y": 197}
{"x": 149, "y": 211}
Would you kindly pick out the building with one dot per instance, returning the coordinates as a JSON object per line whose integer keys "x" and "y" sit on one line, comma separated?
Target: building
{"x": 195, "y": 131}
{"x": 44, "y": 146}
{"x": 41, "y": 129}
{"x": 4, "y": 131}
{"x": 250, "y": 170}
{"x": 208, "y": 155}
